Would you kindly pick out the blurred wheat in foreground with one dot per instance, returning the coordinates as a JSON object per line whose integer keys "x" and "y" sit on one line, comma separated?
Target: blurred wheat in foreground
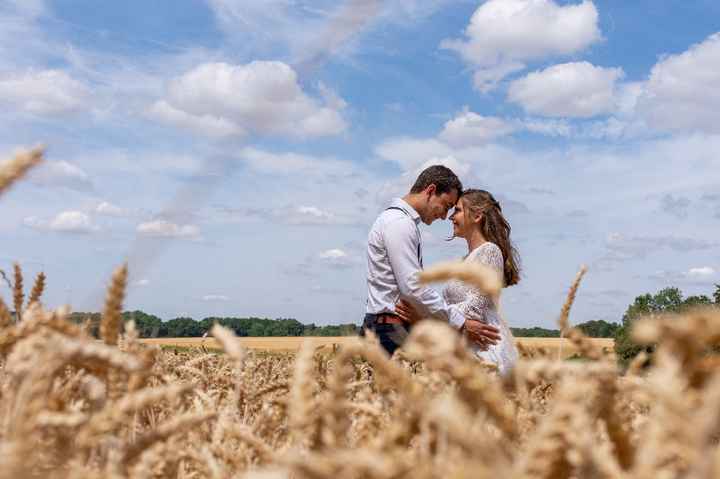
{"x": 72, "y": 406}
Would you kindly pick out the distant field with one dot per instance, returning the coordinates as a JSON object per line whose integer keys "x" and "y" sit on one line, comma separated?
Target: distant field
{"x": 293, "y": 343}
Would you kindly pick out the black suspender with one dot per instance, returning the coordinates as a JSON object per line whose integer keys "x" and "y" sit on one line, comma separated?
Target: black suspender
{"x": 418, "y": 230}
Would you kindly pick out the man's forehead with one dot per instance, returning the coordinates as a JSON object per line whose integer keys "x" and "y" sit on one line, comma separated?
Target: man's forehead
{"x": 450, "y": 197}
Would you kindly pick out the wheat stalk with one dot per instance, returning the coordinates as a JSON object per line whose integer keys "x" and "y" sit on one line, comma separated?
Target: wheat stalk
{"x": 37, "y": 289}
{"x": 15, "y": 168}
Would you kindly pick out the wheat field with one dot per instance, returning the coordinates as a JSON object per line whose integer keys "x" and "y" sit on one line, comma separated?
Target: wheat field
{"x": 551, "y": 346}
{"x": 74, "y": 407}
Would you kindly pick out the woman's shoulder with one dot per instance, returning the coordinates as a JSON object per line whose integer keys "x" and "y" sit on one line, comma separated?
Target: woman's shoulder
{"x": 487, "y": 247}
{"x": 486, "y": 252}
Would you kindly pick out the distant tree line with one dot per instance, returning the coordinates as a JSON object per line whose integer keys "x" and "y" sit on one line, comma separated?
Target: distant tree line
{"x": 596, "y": 328}
{"x": 150, "y": 326}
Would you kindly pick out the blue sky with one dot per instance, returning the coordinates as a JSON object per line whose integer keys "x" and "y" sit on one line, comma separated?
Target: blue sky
{"x": 237, "y": 152}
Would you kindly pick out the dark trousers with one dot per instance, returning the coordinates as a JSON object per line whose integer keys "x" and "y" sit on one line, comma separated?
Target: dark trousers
{"x": 391, "y": 336}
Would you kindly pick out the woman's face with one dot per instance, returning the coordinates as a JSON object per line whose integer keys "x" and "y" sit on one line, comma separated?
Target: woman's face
{"x": 458, "y": 219}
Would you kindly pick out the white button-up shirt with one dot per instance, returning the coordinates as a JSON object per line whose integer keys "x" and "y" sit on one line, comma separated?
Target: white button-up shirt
{"x": 394, "y": 259}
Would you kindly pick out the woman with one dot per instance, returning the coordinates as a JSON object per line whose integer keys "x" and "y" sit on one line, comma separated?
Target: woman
{"x": 479, "y": 220}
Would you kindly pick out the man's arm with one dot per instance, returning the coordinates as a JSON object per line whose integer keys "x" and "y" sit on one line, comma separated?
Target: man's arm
{"x": 401, "y": 243}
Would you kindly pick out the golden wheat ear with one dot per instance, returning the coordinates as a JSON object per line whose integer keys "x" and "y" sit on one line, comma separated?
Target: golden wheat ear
{"x": 38, "y": 289}
{"x": 563, "y": 321}
{"x": 112, "y": 312}
{"x": 15, "y": 168}
{"x": 18, "y": 295}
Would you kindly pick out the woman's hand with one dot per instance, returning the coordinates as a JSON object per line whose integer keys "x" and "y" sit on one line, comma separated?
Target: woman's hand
{"x": 407, "y": 312}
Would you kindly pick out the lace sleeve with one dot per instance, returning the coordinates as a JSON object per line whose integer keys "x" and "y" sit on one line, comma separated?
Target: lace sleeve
{"x": 475, "y": 304}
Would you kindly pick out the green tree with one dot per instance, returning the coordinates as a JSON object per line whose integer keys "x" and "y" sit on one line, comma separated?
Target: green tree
{"x": 599, "y": 328}
{"x": 668, "y": 300}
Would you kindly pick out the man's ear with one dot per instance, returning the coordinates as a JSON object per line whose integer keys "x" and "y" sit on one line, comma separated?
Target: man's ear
{"x": 431, "y": 189}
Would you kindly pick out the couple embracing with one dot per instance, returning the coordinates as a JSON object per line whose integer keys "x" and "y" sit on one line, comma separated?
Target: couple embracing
{"x": 396, "y": 299}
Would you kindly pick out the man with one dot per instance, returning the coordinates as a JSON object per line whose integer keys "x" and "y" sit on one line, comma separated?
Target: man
{"x": 394, "y": 259}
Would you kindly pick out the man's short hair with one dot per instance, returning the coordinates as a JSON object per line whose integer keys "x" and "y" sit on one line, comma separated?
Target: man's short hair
{"x": 441, "y": 176}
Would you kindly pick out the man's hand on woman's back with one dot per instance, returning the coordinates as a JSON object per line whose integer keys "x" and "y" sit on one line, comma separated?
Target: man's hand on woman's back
{"x": 480, "y": 333}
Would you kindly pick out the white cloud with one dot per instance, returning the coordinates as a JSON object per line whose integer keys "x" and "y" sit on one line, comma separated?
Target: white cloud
{"x": 167, "y": 229}
{"x": 204, "y": 124}
{"x": 410, "y": 152}
{"x": 698, "y": 276}
{"x": 701, "y": 272}
{"x": 579, "y": 90}
{"x": 682, "y": 91}
{"x": 469, "y": 129}
{"x": 332, "y": 254}
{"x": 548, "y": 127}
{"x": 46, "y": 92}
{"x": 142, "y": 282}
{"x": 503, "y": 34}
{"x": 337, "y": 258}
{"x": 109, "y": 209}
{"x": 219, "y": 99}
{"x": 486, "y": 80}
{"x": 309, "y": 215}
{"x": 215, "y": 298}
{"x": 63, "y": 174}
{"x": 64, "y": 222}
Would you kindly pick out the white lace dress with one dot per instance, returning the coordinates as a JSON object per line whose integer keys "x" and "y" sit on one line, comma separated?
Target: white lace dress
{"x": 475, "y": 305}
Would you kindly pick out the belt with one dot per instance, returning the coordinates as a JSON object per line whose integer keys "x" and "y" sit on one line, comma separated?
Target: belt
{"x": 388, "y": 318}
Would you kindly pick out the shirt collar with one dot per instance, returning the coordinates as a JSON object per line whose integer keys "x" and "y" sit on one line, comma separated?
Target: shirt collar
{"x": 403, "y": 205}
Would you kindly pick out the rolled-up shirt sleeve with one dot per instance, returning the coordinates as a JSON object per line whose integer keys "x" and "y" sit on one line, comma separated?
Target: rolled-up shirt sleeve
{"x": 401, "y": 242}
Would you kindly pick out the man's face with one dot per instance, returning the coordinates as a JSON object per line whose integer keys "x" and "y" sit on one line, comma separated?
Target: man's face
{"x": 439, "y": 205}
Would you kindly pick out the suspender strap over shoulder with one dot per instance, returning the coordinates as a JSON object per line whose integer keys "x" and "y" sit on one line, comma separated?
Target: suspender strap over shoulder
{"x": 419, "y": 256}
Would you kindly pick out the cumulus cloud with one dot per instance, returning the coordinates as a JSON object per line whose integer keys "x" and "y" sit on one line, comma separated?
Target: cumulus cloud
{"x": 469, "y": 129}
{"x": 504, "y": 34}
{"x": 681, "y": 93}
{"x": 45, "y": 92}
{"x": 62, "y": 174}
{"x": 205, "y": 124}
{"x": 579, "y": 90}
{"x": 166, "y": 229}
{"x": 263, "y": 97}
{"x": 75, "y": 222}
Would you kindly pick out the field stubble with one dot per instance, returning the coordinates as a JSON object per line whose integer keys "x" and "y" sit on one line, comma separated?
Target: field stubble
{"x": 71, "y": 406}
